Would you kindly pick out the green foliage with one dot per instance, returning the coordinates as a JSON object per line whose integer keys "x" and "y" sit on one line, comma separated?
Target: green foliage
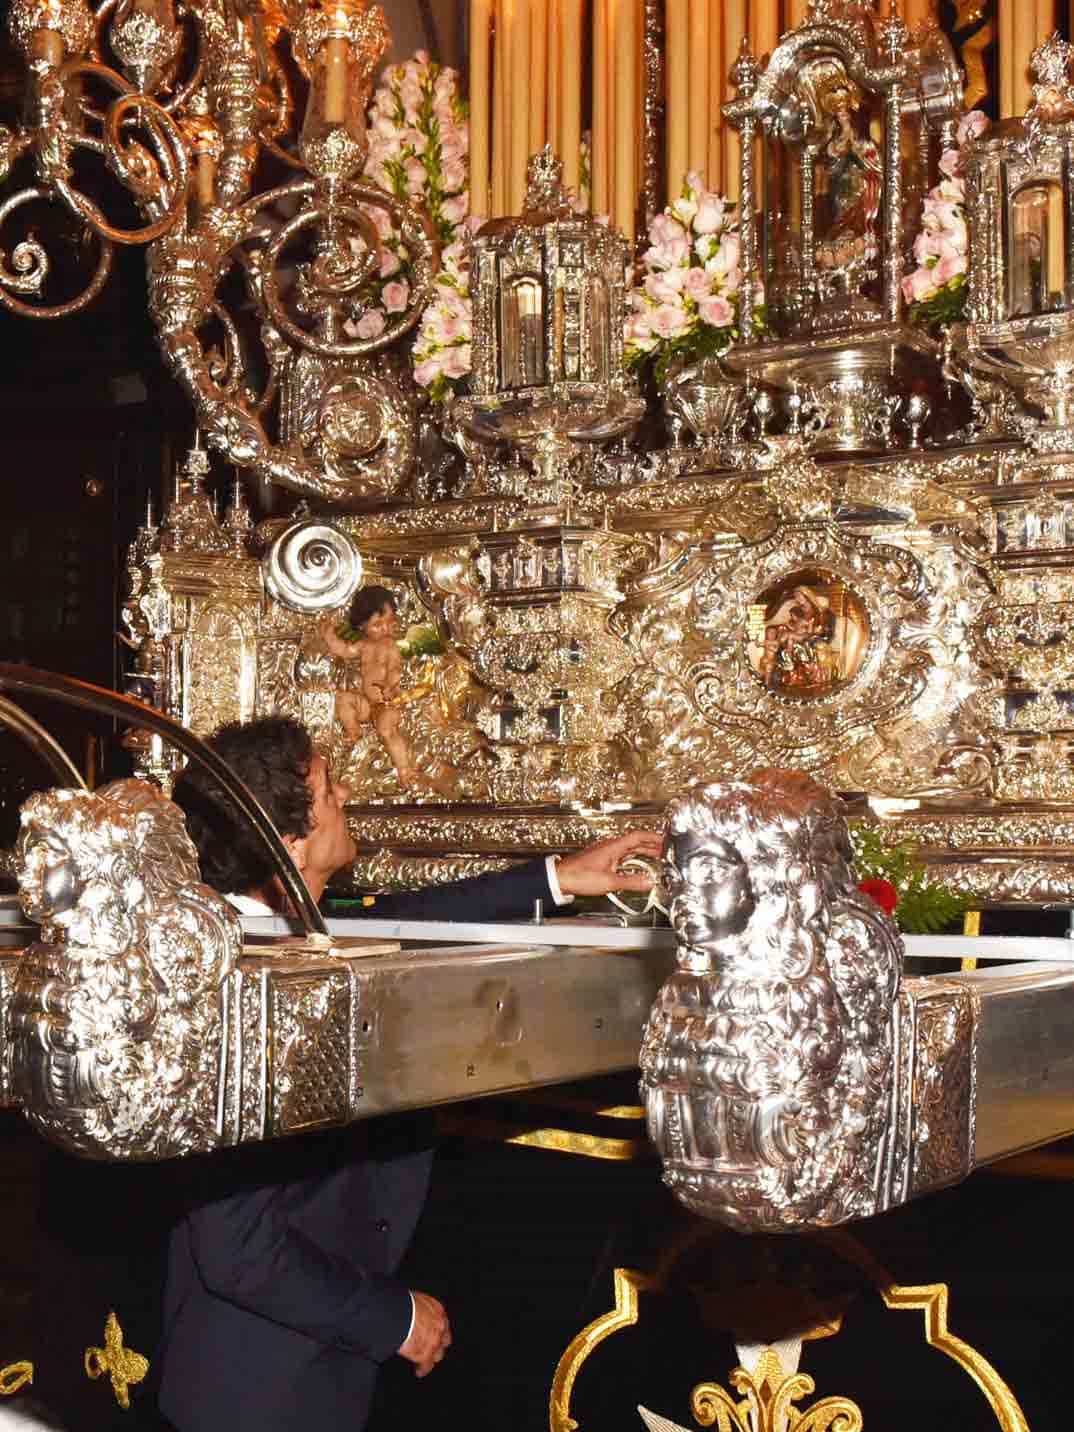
{"x": 947, "y": 305}
{"x": 421, "y": 641}
{"x": 925, "y": 907}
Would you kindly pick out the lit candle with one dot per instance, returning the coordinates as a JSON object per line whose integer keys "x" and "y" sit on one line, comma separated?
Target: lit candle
{"x": 699, "y": 87}
{"x": 336, "y": 49}
{"x": 627, "y": 33}
{"x": 480, "y": 20}
{"x": 796, "y": 13}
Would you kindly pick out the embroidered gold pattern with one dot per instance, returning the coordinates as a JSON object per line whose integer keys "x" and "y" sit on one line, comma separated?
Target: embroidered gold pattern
{"x": 122, "y": 1365}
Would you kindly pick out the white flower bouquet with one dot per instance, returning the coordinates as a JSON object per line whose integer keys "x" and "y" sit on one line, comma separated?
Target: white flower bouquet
{"x": 687, "y": 305}
{"x": 419, "y": 151}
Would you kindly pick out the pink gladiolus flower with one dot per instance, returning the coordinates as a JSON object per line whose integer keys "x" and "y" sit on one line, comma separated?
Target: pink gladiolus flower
{"x": 454, "y": 210}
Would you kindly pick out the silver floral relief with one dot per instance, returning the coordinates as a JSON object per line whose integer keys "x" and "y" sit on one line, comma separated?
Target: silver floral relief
{"x": 116, "y": 1017}
{"x": 818, "y": 647}
{"x": 945, "y": 1017}
{"x": 791, "y": 1079}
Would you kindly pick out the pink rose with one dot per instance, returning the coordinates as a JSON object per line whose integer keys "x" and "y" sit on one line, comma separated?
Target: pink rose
{"x": 370, "y": 325}
{"x": 394, "y": 296}
{"x": 663, "y": 230}
{"x": 698, "y": 284}
{"x": 669, "y": 321}
{"x": 709, "y": 216}
{"x": 457, "y": 362}
{"x": 927, "y": 246}
{"x": 921, "y": 284}
{"x": 949, "y": 268}
{"x": 716, "y": 312}
{"x": 389, "y": 263}
{"x": 428, "y": 371}
{"x": 951, "y": 163}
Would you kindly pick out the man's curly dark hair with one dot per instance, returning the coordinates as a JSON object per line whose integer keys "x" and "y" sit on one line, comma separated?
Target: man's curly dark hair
{"x": 272, "y": 757}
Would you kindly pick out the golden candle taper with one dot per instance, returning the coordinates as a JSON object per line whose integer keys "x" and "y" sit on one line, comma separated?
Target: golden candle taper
{"x": 600, "y": 153}
{"x": 555, "y": 75}
{"x": 500, "y": 160}
{"x": 1005, "y": 55}
{"x": 626, "y": 36}
{"x": 796, "y": 13}
{"x": 764, "y": 27}
{"x": 480, "y": 97}
{"x": 538, "y": 75}
{"x": 518, "y": 102}
{"x": 699, "y": 85}
{"x": 336, "y": 53}
{"x": 570, "y": 134}
{"x": 717, "y": 66}
{"x": 677, "y": 88}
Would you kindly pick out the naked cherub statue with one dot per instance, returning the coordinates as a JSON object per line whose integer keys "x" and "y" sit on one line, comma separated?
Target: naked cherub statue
{"x": 371, "y": 693}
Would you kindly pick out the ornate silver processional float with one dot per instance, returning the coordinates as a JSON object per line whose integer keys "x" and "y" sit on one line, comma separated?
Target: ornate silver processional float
{"x": 615, "y": 626}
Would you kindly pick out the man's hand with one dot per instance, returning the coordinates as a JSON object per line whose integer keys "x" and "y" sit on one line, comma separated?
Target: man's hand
{"x": 430, "y": 1337}
{"x": 597, "y": 869}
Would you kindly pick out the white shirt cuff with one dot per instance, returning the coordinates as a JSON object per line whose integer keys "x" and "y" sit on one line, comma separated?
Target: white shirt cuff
{"x": 553, "y": 882}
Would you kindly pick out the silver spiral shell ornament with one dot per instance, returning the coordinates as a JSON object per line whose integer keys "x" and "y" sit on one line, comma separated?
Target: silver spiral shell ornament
{"x": 312, "y": 567}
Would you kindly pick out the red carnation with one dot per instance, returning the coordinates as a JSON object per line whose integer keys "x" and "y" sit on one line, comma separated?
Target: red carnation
{"x": 883, "y": 892}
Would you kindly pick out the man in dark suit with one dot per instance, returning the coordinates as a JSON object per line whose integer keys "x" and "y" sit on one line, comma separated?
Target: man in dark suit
{"x": 281, "y": 1299}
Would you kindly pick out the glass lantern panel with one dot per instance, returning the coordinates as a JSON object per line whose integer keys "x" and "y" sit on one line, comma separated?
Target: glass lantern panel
{"x": 599, "y": 335}
{"x": 1036, "y": 244}
{"x": 780, "y": 240}
{"x": 522, "y": 339}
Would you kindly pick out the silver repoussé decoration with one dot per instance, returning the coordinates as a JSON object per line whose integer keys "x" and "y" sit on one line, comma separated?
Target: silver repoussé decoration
{"x": 117, "y": 1019}
{"x": 767, "y": 1062}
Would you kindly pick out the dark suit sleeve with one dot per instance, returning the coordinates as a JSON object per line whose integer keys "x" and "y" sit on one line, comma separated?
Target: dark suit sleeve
{"x": 249, "y": 1252}
{"x": 504, "y": 895}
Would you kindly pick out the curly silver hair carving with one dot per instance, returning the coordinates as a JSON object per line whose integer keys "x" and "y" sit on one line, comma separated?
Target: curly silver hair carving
{"x": 116, "y": 1014}
{"x": 767, "y": 1059}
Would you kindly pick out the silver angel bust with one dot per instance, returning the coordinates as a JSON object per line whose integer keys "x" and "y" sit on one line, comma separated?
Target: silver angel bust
{"x": 117, "y": 1012}
{"x": 767, "y": 1062}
